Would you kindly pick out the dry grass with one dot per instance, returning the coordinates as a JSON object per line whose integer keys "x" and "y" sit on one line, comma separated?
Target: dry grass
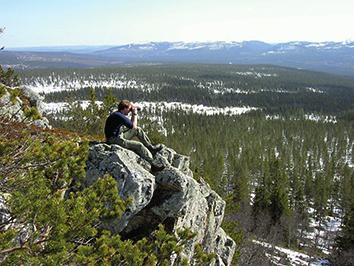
{"x": 15, "y": 130}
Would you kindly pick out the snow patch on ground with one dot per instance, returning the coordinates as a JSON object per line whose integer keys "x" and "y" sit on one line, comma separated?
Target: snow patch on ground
{"x": 311, "y": 117}
{"x": 322, "y": 233}
{"x": 294, "y": 257}
{"x": 314, "y": 90}
{"x": 349, "y": 153}
{"x": 51, "y": 108}
{"x": 199, "y": 109}
{"x": 318, "y": 118}
{"x": 255, "y": 74}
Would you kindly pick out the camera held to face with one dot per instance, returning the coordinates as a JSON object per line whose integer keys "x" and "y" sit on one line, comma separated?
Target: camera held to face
{"x": 134, "y": 107}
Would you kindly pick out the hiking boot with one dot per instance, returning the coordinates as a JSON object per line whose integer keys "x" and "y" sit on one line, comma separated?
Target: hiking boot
{"x": 156, "y": 168}
{"x": 155, "y": 148}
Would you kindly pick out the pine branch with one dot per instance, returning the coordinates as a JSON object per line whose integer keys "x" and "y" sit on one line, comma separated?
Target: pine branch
{"x": 26, "y": 245}
{"x": 9, "y": 169}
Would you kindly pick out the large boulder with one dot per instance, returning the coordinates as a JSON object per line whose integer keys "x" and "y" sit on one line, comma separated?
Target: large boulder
{"x": 14, "y": 102}
{"x": 34, "y": 99}
{"x": 9, "y": 107}
{"x": 171, "y": 197}
{"x": 131, "y": 173}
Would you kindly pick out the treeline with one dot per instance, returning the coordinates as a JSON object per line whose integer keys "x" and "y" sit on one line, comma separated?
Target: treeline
{"x": 274, "y": 89}
{"x": 335, "y": 102}
{"x": 270, "y": 76}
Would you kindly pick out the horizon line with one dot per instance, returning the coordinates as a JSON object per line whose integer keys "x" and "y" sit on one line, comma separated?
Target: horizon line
{"x": 147, "y": 42}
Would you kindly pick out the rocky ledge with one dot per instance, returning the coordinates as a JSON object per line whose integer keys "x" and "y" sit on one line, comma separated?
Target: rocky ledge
{"x": 171, "y": 197}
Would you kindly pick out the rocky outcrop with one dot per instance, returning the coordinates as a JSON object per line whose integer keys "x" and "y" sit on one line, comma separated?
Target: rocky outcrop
{"x": 171, "y": 197}
{"x": 22, "y": 105}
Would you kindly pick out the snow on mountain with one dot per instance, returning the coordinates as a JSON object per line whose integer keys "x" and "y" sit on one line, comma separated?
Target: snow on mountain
{"x": 219, "y": 45}
{"x": 332, "y": 57}
{"x": 318, "y": 44}
{"x": 170, "y": 46}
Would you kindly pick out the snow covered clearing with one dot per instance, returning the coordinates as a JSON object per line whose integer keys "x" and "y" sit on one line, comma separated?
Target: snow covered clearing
{"x": 323, "y": 232}
{"x": 164, "y": 106}
{"x": 311, "y": 117}
{"x": 52, "y": 108}
{"x": 56, "y": 83}
{"x": 199, "y": 109}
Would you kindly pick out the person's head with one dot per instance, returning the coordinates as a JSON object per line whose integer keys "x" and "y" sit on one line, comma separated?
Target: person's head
{"x": 124, "y": 106}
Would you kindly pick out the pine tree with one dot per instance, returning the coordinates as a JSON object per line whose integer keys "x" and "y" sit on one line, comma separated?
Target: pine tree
{"x": 279, "y": 205}
{"x": 345, "y": 241}
{"x": 262, "y": 199}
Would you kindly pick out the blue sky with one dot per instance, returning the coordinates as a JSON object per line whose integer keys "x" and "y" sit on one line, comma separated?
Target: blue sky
{"x": 109, "y": 22}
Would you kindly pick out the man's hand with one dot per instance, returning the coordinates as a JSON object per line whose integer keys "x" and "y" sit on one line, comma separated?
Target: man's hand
{"x": 134, "y": 118}
{"x": 134, "y": 109}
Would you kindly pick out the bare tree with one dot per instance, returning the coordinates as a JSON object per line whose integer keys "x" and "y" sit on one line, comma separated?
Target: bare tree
{"x": 1, "y": 31}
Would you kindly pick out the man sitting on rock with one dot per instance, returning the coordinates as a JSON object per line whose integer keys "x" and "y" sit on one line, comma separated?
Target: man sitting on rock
{"x": 119, "y": 129}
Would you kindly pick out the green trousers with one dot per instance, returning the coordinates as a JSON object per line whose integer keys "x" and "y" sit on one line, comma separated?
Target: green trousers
{"x": 141, "y": 148}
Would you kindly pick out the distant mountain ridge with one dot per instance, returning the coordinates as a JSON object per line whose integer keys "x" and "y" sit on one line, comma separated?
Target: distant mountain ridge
{"x": 333, "y": 57}
{"x": 251, "y": 45}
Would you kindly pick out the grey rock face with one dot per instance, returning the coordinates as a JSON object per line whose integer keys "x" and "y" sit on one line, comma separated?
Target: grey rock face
{"x": 34, "y": 98}
{"x": 169, "y": 157}
{"x": 171, "y": 197}
{"x": 224, "y": 245}
{"x": 13, "y": 107}
{"x": 131, "y": 173}
{"x": 43, "y": 123}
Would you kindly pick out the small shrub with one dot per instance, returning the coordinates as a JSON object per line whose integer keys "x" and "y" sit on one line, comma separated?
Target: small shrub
{"x": 32, "y": 113}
